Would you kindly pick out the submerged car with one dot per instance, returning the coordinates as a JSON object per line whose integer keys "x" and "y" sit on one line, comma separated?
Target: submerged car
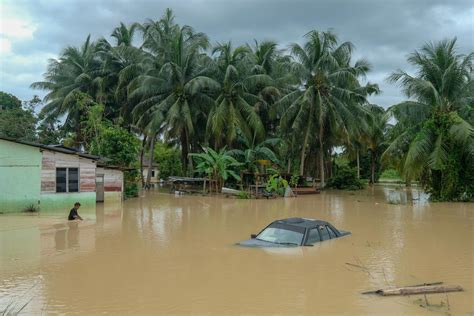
{"x": 292, "y": 232}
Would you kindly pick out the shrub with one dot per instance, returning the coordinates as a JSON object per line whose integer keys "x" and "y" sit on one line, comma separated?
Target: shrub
{"x": 168, "y": 159}
{"x": 243, "y": 195}
{"x": 345, "y": 179}
{"x": 130, "y": 184}
{"x": 31, "y": 208}
{"x": 276, "y": 184}
{"x": 390, "y": 174}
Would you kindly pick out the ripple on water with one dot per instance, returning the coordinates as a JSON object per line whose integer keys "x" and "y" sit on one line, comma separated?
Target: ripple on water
{"x": 172, "y": 255}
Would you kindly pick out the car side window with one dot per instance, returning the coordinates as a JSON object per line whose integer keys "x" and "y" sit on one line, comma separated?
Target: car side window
{"x": 332, "y": 234}
{"x": 313, "y": 236}
{"x": 324, "y": 233}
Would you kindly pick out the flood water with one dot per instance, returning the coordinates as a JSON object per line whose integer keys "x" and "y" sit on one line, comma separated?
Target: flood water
{"x": 166, "y": 254}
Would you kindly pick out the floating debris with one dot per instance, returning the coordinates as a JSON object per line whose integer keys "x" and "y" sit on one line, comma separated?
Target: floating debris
{"x": 425, "y": 288}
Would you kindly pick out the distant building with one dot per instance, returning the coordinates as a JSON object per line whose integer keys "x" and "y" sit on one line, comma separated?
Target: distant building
{"x": 53, "y": 177}
{"x": 155, "y": 172}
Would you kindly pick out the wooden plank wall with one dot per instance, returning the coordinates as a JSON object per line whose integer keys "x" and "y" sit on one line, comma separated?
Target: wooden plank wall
{"x": 87, "y": 174}
{"x": 48, "y": 172}
{"x": 52, "y": 160}
{"x": 113, "y": 180}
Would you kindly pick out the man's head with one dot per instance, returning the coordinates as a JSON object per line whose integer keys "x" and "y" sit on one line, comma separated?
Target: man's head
{"x": 77, "y": 205}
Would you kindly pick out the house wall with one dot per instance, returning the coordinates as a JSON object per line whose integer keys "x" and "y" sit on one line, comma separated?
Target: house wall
{"x": 113, "y": 184}
{"x": 154, "y": 179}
{"x": 50, "y": 200}
{"x": 20, "y": 169}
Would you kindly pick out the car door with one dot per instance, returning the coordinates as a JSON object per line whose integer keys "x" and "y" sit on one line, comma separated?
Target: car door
{"x": 313, "y": 236}
{"x": 323, "y": 232}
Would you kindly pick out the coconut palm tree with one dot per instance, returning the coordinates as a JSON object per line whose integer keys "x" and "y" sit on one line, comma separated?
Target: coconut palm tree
{"x": 267, "y": 59}
{"x": 234, "y": 106}
{"x": 120, "y": 66}
{"x": 159, "y": 35}
{"x": 175, "y": 94}
{"x": 328, "y": 96}
{"x": 374, "y": 135}
{"x": 77, "y": 70}
{"x": 124, "y": 35}
{"x": 435, "y": 130}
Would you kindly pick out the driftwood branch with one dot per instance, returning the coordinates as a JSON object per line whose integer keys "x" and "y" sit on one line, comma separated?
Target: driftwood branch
{"x": 427, "y": 288}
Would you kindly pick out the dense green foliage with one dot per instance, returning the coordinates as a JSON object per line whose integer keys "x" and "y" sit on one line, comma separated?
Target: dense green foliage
{"x": 433, "y": 140}
{"x": 216, "y": 165}
{"x": 118, "y": 146}
{"x": 18, "y": 123}
{"x": 390, "y": 174}
{"x": 9, "y": 101}
{"x": 345, "y": 178}
{"x": 276, "y": 184}
{"x": 250, "y": 153}
{"x": 17, "y": 120}
{"x": 297, "y": 107}
{"x": 168, "y": 159}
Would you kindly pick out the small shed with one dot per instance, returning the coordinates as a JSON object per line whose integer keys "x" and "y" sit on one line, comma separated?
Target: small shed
{"x": 155, "y": 171}
{"x": 109, "y": 183}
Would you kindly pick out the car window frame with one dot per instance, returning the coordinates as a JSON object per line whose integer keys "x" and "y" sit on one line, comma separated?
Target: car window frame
{"x": 321, "y": 235}
{"x": 330, "y": 229}
{"x": 276, "y": 224}
{"x": 309, "y": 232}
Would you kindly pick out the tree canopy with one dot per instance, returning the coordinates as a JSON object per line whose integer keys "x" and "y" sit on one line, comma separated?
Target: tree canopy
{"x": 159, "y": 81}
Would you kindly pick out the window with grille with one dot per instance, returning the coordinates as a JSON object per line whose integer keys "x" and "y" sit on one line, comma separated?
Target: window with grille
{"x": 67, "y": 180}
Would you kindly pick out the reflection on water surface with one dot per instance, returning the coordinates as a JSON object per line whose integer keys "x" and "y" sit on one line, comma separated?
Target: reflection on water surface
{"x": 165, "y": 254}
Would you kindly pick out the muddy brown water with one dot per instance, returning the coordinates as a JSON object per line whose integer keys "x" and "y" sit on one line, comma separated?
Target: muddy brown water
{"x": 166, "y": 254}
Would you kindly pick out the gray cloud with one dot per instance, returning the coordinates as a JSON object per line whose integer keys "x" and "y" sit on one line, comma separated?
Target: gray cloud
{"x": 384, "y": 32}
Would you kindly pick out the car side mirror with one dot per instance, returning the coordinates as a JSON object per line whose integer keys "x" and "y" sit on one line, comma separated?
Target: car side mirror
{"x": 253, "y": 236}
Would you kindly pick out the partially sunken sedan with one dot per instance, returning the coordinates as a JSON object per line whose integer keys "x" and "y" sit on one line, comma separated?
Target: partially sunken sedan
{"x": 292, "y": 232}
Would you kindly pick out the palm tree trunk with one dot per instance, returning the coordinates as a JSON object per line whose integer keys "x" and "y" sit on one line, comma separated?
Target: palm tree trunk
{"x": 321, "y": 157}
{"x": 78, "y": 139}
{"x": 142, "y": 154}
{"x": 184, "y": 150}
{"x": 358, "y": 163}
{"x": 150, "y": 164}
{"x": 372, "y": 167}
{"x": 303, "y": 151}
{"x": 330, "y": 163}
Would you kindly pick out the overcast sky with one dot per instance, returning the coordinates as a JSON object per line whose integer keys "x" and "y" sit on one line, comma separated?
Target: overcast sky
{"x": 384, "y": 32}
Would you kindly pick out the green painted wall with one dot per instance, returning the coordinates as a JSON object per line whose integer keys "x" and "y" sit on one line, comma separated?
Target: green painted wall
{"x": 20, "y": 176}
{"x": 65, "y": 201}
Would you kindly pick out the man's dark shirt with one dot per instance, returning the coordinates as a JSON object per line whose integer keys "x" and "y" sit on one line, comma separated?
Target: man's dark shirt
{"x": 72, "y": 214}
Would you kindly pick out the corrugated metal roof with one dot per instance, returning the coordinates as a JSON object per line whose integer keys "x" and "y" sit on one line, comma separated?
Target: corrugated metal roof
{"x": 56, "y": 148}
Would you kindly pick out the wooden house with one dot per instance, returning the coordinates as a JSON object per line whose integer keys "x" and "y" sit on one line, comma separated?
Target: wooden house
{"x": 51, "y": 177}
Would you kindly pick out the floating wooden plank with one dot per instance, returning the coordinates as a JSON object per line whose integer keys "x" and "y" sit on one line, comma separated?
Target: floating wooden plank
{"x": 231, "y": 191}
{"x": 300, "y": 191}
{"x": 380, "y": 290}
{"x": 428, "y": 288}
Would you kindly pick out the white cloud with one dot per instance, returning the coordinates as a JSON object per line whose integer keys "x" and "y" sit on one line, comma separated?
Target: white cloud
{"x": 15, "y": 26}
{"x": 5, "y": 46}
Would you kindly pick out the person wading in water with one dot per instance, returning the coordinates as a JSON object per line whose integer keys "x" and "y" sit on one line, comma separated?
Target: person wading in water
{"x": 73, "y": 213}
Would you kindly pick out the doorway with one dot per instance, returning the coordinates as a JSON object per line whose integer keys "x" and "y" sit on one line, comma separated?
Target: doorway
{"x": 99, "y": 187}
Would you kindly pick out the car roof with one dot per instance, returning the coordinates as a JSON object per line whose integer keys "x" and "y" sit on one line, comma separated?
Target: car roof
{"x": 301, "y": 222}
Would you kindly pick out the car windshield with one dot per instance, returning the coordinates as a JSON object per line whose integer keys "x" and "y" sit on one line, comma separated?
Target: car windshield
{"x": 281, "y": 236}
